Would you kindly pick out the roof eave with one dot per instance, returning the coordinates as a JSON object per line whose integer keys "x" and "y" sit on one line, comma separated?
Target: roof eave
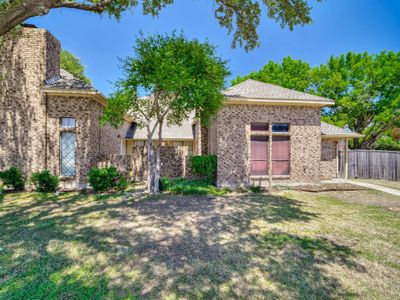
{"x": 342, "y": 136}
{"x": 164, "y": 139}
{"x": 289, "y": 102}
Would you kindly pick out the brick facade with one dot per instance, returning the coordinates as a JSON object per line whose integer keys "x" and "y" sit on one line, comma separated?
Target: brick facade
{"x": 231, "y": 134}
{"x": 328, "y": 167}
{"x": 30, "y": 119}
{"x": 26, "y": 59}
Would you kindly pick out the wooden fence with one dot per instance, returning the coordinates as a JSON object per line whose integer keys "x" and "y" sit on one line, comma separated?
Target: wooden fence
{"x": 371, "y": 164}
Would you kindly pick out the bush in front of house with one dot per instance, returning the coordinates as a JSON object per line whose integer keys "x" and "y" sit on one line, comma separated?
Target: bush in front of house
{"x": 190, "y": 187}
{"x": 105, "y": 179}
{"x": 205, "y": 166}
{"x": 45, "y": 182}
{"x": 12, "y": 178}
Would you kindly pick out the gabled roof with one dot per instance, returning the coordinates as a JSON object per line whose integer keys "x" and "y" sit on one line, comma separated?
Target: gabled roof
{"x": 172, "y": 132}
{"x": 253, "y": 91}
{"x": 333, "y": 131}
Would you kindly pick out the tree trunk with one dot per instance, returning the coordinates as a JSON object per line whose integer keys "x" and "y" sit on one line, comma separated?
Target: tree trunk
{"x": 150, "y": 162}
{"x": 20, "y": 11}
{"x": 158, "y": 161}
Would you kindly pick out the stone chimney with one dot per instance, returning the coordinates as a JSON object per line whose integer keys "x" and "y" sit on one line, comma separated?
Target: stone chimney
{"x": 28, "y": 56}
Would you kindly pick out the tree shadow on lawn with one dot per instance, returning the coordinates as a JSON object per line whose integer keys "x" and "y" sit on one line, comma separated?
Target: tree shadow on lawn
{"x": 192, "y": 247}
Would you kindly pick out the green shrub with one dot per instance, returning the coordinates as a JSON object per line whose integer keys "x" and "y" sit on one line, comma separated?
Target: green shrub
{"x": 105, "y": 179}
{"x": 205, "y": 166}
{"x": 45, "y": 182}
{"x": 255, "y": 189}
{"x": 12, "y": 178}
{"x": 190, "y": 187}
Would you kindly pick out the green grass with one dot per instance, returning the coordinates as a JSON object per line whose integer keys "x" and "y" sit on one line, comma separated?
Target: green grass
{"x": 288, "y": 245}
{"x": 184, "y": 186}
{"x": 386, "y": 183}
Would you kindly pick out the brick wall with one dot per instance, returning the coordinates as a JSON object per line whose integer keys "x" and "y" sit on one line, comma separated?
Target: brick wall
{"x": 23, "y": 68}
{"x": 233, "y": 141}
{"x": 174, "y": 162}
{"x": 30, "y": 120}
{"x": 328, "y": 167}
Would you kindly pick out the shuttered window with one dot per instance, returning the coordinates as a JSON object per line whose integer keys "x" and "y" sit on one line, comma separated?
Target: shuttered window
{"x": 280, "y": 155}
{"x": 259, "y": 155}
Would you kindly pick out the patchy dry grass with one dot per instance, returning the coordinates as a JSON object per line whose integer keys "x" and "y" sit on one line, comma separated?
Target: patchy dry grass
{"x": 386, "y": 183}
{"x": 289, "y": 245}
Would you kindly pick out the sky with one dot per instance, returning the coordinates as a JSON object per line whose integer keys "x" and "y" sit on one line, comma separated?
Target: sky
{"x": 338, "y": 26}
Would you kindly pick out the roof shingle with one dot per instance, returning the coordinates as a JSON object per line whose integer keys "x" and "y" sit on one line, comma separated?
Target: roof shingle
{"x": 328, "y": 130}
{"x": 67, "y": 81}
{"x": 253, "y": 89}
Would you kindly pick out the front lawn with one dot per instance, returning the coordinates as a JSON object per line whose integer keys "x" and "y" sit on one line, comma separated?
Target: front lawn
{"x": 386, "y": 183}
{"x": 290, "y": 245}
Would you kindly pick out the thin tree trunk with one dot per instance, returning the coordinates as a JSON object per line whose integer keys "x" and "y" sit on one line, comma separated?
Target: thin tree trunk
{"x": 158, "y": 161}
{"x": 150, "y": 162}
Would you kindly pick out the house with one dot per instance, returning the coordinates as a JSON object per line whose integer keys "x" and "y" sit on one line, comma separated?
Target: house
{"x": 303, "y": 148}
{"x": 50, "y": 120}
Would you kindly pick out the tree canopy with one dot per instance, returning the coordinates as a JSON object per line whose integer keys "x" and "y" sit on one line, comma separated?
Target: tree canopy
{"x": 69, "y": 62}
{"x": 180, "y": 76}
{"x": 366, "y": 88}
{"x": 240, "y": 17}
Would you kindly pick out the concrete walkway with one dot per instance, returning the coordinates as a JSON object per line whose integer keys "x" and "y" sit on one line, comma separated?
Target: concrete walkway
{"x": 376, "y": 187}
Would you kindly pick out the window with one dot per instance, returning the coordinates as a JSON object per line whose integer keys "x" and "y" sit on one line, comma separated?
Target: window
{"x": 259, "y": 155}
{"x": 280, "y": 127}
{"x": 280, "y": 155}
{"x": 67, "y": 122}
{"x": 259, "y": 127}
{"x": 67, "y": 153}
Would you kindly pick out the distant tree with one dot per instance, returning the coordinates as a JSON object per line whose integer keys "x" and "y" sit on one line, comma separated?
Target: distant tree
{"x": 69, "y": 62}
{"x": 366, "y": 88}
{"x": 291, "y": 73}
{"x": 239, "y": 16}
{"x": 180, "y": 76}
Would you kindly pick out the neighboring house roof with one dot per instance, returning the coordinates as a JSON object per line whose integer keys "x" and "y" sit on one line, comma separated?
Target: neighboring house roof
{"x": 332, "y": 131}
{"x": 253, "y": 91}
{"x": 174, "y": 132}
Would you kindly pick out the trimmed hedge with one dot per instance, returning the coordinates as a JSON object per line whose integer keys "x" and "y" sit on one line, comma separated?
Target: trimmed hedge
{"x": 45, "y": 182}
{"x": 12, "y": 178}
{"x": 105, "y": 179}
{"x": 205, "y": 166}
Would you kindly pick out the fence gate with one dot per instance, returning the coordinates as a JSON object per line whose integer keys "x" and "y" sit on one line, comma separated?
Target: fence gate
{"x": 371, "y": 164}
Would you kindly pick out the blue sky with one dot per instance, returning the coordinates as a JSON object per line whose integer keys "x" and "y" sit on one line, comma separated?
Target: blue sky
{"x": 338, "y": 26}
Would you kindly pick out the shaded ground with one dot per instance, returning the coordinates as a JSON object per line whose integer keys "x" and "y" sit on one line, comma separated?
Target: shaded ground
{"x": 386, "y": 183}
{"x": 289, "y": 245}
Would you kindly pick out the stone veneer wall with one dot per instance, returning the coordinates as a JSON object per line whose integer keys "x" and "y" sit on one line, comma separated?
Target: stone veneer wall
{"x": 233, "y": 141}
{"x": 328, "y": 167}
{"x": 27, "y": 57}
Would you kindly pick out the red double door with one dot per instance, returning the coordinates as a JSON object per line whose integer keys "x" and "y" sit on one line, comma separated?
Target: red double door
{"x": 260, "y": 155}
